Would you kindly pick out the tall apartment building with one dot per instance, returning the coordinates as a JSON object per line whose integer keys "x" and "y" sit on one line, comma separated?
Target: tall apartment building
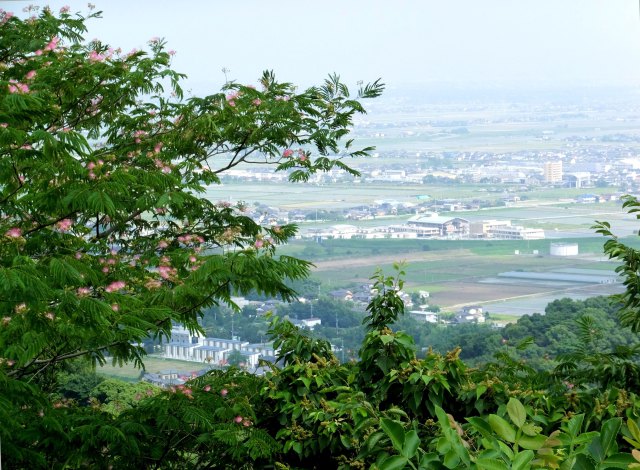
{"x": 553, "y": 172}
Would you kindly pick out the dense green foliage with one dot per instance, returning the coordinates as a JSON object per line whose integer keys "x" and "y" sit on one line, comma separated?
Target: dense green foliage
{"x": 106, "y": 242}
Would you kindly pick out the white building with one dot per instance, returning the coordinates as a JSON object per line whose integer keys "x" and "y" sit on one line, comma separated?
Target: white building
{"x": 516, "y": 232}
{"x": 502, "y": 229}
{"x": 432, "y": 224}
{"x": 470, "y": 314}
{"x": 424, "y": 316}
{"x": 186, "y": 346}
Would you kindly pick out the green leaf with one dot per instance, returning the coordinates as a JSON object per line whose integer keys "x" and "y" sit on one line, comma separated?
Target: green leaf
{"x": 373, "y": 439}
{"x": 532, "y": 442}
{"x": 411, "y": 443}
{"x": 583, "y": 462}
{"x": 601, "y": 447}
{"x": 451, "y": 459}
{"x": 635, "y": 433}
{"x": 516, "y": 412}
{"x": 297, "y": 447}
{"x": 531, "y": 429}
{"x": 395, "y": 462}
{"x": 619, "y": 460}
{"x": 481, "y": 426}
{"x": 574, "y": 425}
{"x": 491, "y": 464}
{"x": 394, "y": 430}
{"x": 386, "y": 339}
{"x": 522, "y": 459}
{"x": 427, "y": 460}
{"x": 502, "y": 428}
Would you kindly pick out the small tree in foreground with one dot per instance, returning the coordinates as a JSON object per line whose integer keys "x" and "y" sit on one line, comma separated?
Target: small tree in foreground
{"x": 106, "y": 237}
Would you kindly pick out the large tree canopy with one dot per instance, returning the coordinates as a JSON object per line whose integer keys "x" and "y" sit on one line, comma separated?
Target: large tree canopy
{"x": 105, "y": 235}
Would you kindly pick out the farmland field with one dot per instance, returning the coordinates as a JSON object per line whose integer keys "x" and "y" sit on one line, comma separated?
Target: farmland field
{"x": 455, "y": 272}
{"x": 152, "y": 364}
{"x": 345, "y": 195}
{"x": 461, "y": 272}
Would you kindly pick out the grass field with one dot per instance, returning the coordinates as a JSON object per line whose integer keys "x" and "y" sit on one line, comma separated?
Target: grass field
{"x": 459, "y": 272}
{"x": 152, "y": 364}
{"x": 356, "y": 250}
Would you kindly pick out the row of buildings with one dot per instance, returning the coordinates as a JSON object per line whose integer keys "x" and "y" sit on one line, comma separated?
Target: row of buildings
{"x": 188, "y": 346}
{"x": 431, "y": 225}
{"x": 468, "y": 314}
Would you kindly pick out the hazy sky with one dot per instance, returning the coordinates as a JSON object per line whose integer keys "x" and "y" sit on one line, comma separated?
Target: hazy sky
{"x": 401, "y": 41}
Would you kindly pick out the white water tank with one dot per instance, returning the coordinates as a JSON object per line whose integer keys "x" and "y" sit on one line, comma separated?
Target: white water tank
{"x": 564, "y": 249}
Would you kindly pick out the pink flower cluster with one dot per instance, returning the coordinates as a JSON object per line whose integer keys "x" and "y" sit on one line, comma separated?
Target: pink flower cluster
{"x": 165, "y": 269}
{"x": 231, "y": 98}
{"x": 186, "y": 239}
{"x": 111, "y": 261}
{"x": 53, "y": 44}
{"x": 17, "y": 87}
{"x": 83, "y": 291}
{"x": 64, "y": 225}
{"x": 138, "y": 136}
{"x": 95, "y": 56}
{"x": 14, "y": 232}
{"x": 5, "y": 16}
{"x": 186, "y": 391}
{"x": 115, "y": 286}
{"x": 302, "y": 156}
{"x": 160, "y": 164}
{"x": 245, "y": 421}
{"x": 91, "y": 166}
{"x": 288, "y": 153}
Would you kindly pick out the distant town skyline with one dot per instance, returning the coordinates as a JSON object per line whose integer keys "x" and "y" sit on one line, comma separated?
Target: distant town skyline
{"x": 460, "y": 42}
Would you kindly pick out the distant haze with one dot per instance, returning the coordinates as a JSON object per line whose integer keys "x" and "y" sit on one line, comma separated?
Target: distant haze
{"x": 459, "y": 43}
